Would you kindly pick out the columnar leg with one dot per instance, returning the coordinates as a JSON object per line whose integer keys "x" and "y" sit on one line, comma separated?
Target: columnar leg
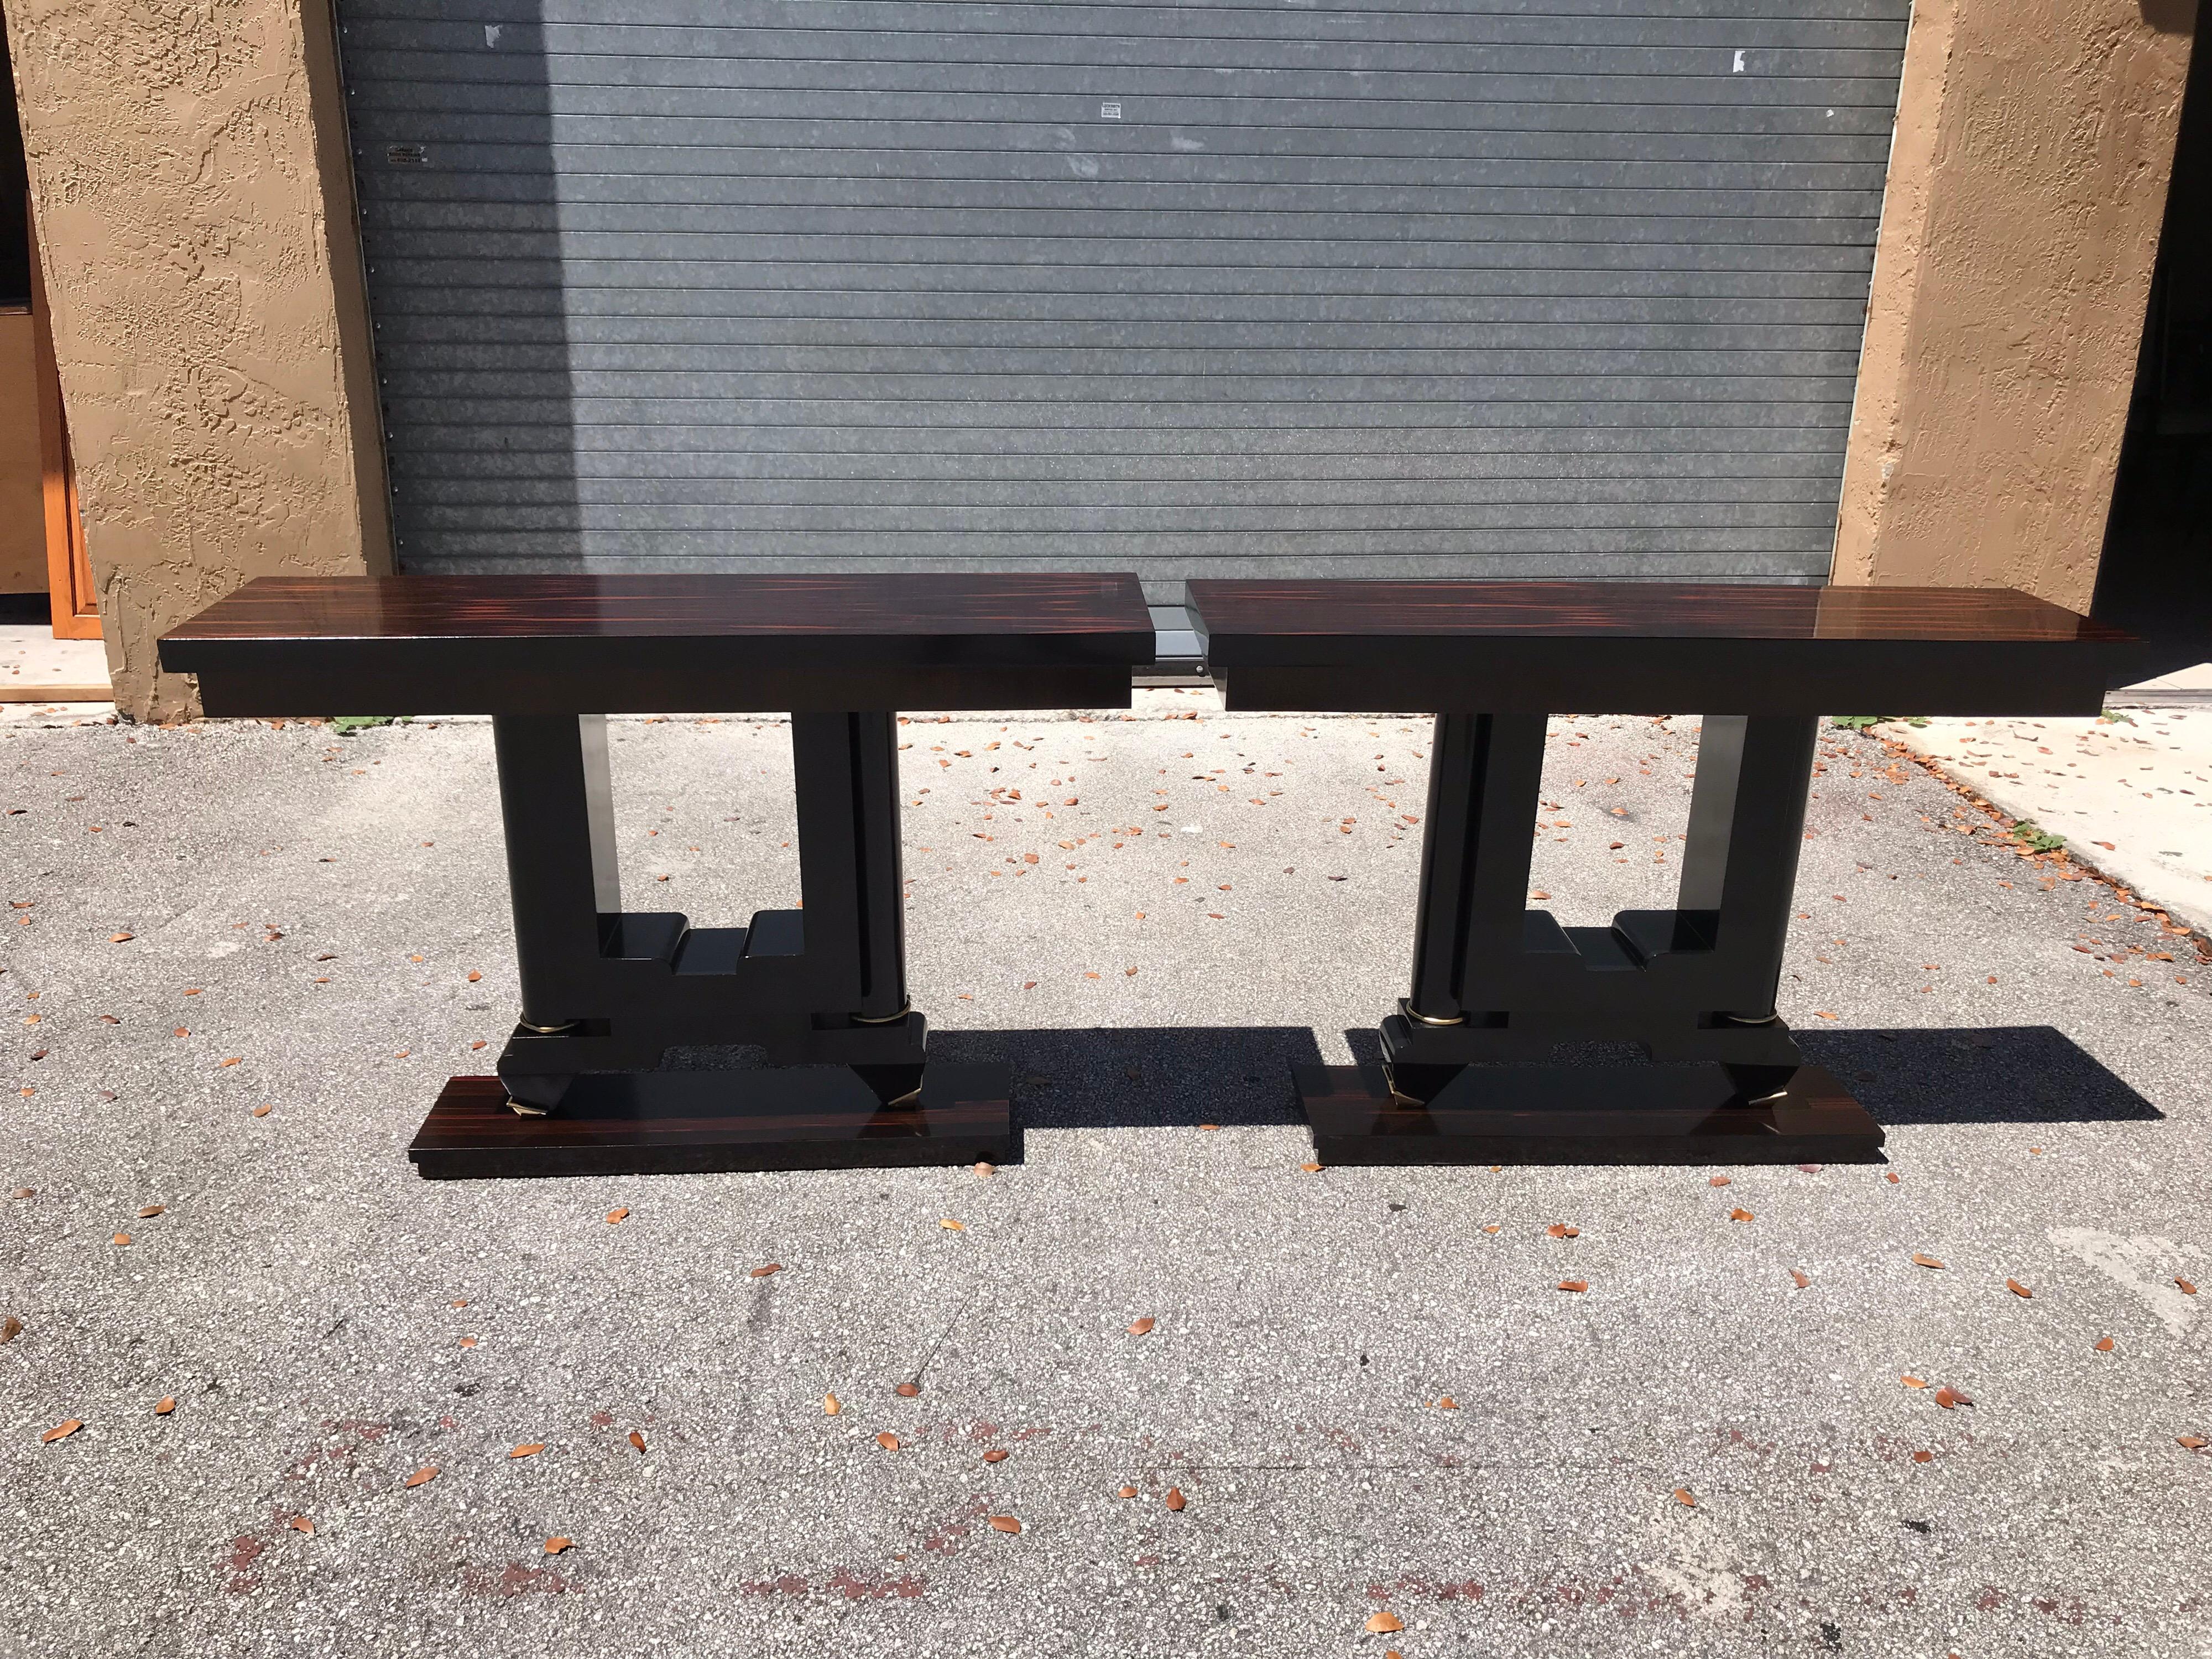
{"x": 558, "y": 815}
{"x": 1483, "y": 774}
{"x": 846, "y": 767}
{"x": 1739, "y": 867}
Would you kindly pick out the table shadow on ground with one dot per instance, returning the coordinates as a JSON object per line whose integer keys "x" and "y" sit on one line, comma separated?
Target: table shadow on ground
{"x": 1144, "y": 1077}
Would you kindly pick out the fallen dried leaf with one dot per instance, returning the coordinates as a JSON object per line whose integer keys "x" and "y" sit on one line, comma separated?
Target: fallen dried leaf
{"x": 2104, "y": 1344}
{"x": 1923, "y": 1457}
{"x": 61, "y": 1431}
{"x": 1949, "y": 1401}
{"x": 120, "y": 938}
{"x": 637, "y": 1439}
{"x": 996, "y": 1455}
{"x": 422, "y": 1476}
{"x": 1127, "y": 1491}
{"x": 1890, "y": 1176}
{"x": 1384, "y": 1624}
{"x": 1492, "y": 1226}
{"x": 1311, "y": 1168}
{"x": 1578, "y": 1285}
{"x": 1920, "y": 1260}
{"x": 2194, "y": 1441}
{"x": 1740, "y": 1215}
{"x": 120, "y": 1238}
{"x": 10, "y": 1328}
{"x": 1913, "y": 1382}
{"x": 1005, "y": 1523}
{"x": 908, "y": 1390}
{"x": 1684, "y": 1497}
{"x": 468, "y": 1342}
{"x": 764, "y": 1272}
{"x": 616, "y": 1218}
{"x": 301, "y": 1523}
{"x": 474, "y": 976}
{"x": 984, "y": 1167}
{"x": 1447, "y": 1404}
{"x": 952, "y": 1226}
{"x": 888, "y": 1441}
{"x": 1719, "y": 1181}
{"x": 527, "y": 1448}
{"x": 1176, "y": 1500}
{"x": 263, "y": 1111}
{"x": 1140, "y": 1327}
{"x": 147, "y": 1210}
{"x": 233, "y": 1060}
{"x": 1560, "y": 1229}
{"x": 165, "y": 1405}
{"x": 1804, "y": 1278}
{"x": 556, "y": 1546}
{"x": 2187, "y": 1289}
{"x": 831, "y": 1405}
{"x": 2018, "y": 1289}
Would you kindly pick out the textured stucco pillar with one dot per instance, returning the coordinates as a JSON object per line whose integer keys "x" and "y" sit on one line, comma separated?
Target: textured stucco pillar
{"x": 189, "y": 178}
{"x": 2020, "y": 229}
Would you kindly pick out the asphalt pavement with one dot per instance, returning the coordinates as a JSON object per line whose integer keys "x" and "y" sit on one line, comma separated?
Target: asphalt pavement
{"x": 1375, "y": 1403}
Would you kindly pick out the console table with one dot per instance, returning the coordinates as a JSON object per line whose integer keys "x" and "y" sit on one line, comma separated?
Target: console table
{"x": 1468, "y": 1073}
{"x": 822, "y": 989}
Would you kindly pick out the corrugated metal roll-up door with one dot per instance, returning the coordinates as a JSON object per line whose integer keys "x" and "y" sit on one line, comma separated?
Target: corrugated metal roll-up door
{"x": 1419, "y": 287}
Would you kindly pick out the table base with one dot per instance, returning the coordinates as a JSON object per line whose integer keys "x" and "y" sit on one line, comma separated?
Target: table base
{"x": 813, "y": 1117}
{"x": 1683, "y": 1114}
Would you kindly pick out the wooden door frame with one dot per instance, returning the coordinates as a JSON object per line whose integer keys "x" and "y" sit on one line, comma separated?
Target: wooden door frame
{"x": 68, "y": 569}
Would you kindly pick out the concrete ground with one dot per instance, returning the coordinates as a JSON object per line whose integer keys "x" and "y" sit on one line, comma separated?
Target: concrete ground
{"x": 207, "y": 921}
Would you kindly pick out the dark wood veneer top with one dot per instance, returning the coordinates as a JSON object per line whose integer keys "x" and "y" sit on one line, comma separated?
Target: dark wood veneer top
{"x": 1289, "y": 612}
{"x": 851, "y": 608}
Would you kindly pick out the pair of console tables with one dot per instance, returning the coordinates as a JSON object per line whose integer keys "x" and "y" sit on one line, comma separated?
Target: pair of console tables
{"x": 1467, "y": 1074}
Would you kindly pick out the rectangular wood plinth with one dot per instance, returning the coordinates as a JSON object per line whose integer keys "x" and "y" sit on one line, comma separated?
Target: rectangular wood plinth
{"x": 815, "y": 1117}
{"x": 1582, "y": 1114}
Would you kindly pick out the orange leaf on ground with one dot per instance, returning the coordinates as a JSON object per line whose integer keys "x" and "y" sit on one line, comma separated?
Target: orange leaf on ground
{"x": 616, "y": 1217}
{"x": 2104, "y": 1344}
{"x": 1005, "y": 1523}
{"x": 1890, "y": 1176}
{"x": 120, "y": 938}
{"x": 2194, "y": 1441}
{"x": 1209, "y": 1126}
{"x": 637, "y": 1439}
{"x": 1492, "y": 1226}
{"x": 831, "y": 1405}
{"x": 952, "y": 1226}
{"x": 1560, "y": 1229}
{"x": 1684, "y": 1496}
{"x": 996, "y": 1455}
{"x": 2187, "y": 1289}
{"x": 468, "y": 1342}
{"x": 422, "y": 1476}
{"x": 1923, "y": 1457}
{"x": 1740, "y": 1215}
{"x": 263, "y": 1111}
{"x": 907, "y": 1390}
{"x": 61, "y": 1431}
{"x": 1175, "y": 1498}
{"x": 474, "y": 975}
{"x": 1951, "y": 1400}
{"x": 10, "y": 1328}
{"x": 984, "y": 1167}
{"x": 301, "y": 1523}
{"x": 555, "y": 1546}
{"x": 1575, "y": 1285}
{"x": 1720, "y": 1181}
{"x": 1802, "y": 1278}
{"x": 763, "y": 1273}
{"x": 149, "y": 1210}
{"x": 1447, "y": 1404}
{"x": 2017, "y": 1288}
{"x": 1920, "y": 1260}
{"x": 527, "y": 1448}
{"x": 1141, "y": 1327}
{"x": 1913, "y": 1382}
{"x": 233, "y": 1060}
{"x": 1129, "y": 1491}
{"x": 888, "y": 1441}
{"x": 1311, "y": 1168}
{"x": 165, "y": 1405}
{"x": 1384, "y": 1624}
{"x": 120, "y": 1239}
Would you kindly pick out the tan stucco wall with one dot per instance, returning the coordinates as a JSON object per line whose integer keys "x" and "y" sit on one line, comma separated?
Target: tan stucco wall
{"x": 194, "y": 218}
{"x": 2019, "y": 232}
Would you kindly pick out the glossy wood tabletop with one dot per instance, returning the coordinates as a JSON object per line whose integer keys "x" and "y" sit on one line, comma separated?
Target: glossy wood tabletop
{"x": 1652, "y": 648}
{"x": 629, "y": 644}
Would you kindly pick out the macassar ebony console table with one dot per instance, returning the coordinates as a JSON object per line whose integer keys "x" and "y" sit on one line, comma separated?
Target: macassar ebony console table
{"x": 1469, "y": 1071}
{"x": 604, "y": 991}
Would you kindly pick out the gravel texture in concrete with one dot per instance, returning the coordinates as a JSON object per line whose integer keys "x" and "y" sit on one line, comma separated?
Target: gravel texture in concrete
{"x": 242, "y": 959}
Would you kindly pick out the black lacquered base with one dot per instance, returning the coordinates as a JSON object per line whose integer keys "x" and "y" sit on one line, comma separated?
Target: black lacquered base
{"x": 813, "y": 1117}
{"x": 1686, "y": 1114}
